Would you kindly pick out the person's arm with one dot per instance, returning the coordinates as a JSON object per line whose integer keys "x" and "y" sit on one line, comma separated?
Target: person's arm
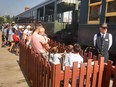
{"x": 46, "y": 46}
{"x": 70, "y": 61}
{"x": 24, "y": 34}
{"x": 66, "y": 60}
{"x": 18, "y": 37}
{"x": 110, "y": 41}
{"x": 46, "y": 38}
{"x": 94, "y": 39}
{"x": 44, "y": 43}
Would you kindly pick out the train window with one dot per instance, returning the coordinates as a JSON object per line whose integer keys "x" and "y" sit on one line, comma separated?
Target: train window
{"x": 111, "y": 11}
{"x": 94, "y": 1}
{"x": 94, "y": 10}
{"x": 111, "y": 6}
{"x": 111, "y": 20}
{"x": 94, "y": 13}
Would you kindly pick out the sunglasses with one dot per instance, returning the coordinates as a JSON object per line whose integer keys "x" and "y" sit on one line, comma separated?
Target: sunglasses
{"x": 104, "y": 27}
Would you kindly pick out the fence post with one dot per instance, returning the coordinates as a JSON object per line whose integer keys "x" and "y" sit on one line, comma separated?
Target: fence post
{"x": 94, "y": 79}
{"x": 90, "y": 55}
{"x": 66, "y": 76}
{"x": 114, "y": 81}
{"x": 74, "y": 73}
{"x": 57, "y": 75}
{"x": 88, "y": 72}
{"x": 107, "y": 74}
{"x": 82, "y": 71}
{"x": 101, "y": 69}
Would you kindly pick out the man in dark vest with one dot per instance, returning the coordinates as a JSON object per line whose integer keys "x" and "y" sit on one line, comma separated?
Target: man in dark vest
{"x": 103, "y": 41}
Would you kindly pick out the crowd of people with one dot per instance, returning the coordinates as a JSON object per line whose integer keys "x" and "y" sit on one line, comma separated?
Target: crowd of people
{"x": 40, "y": 44}
{"x": 37, "y": 40}
{"x": 12, "y": 34}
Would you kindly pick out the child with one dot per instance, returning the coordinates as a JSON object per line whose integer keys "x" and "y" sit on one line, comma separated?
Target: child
{"x": 69, "y": 50}
{"x": 55, "y": 56}
{"x": 75, "y": 57}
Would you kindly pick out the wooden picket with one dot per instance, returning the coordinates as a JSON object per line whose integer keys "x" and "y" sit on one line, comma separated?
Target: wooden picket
{"x": 41, "y": 73}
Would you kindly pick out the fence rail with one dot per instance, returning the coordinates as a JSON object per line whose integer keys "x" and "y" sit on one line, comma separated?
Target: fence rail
{"x": 41, "y": 73}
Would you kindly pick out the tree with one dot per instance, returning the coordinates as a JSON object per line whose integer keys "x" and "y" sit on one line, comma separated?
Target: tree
{"x": 1, "y": 20}
{"x": 8, "y": 19}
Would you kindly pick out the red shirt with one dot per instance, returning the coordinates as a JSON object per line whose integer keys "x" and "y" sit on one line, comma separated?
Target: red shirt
{"x": 15, "y": 38}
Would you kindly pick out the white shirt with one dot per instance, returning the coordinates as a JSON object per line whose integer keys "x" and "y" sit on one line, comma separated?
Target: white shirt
{"x": 26, "y": 31}
{"x": 75, "y": 58}
{"x": 15, "y": 27}
{"x": 110, "y": 39}
{"x": 5, "y": 31}
{"x": 66, "y": 59}
{"x": 56, "y": 58}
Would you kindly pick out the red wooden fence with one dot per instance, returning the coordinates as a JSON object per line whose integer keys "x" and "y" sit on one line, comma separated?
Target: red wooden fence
{"x": 41, "y": 73}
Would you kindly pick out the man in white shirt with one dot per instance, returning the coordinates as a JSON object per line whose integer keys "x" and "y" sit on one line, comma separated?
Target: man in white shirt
{"x": 103, "y": 41}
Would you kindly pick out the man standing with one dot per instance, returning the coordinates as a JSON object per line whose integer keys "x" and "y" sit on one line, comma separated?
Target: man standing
{"x": 38, "y": 42}
{"x": 103, "y": 41}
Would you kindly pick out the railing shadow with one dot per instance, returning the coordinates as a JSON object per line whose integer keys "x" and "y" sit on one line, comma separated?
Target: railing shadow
{"x": 26, "y": 79}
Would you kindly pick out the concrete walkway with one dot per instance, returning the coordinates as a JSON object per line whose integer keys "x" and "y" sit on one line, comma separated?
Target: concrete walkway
{"x": 10, "y": 72}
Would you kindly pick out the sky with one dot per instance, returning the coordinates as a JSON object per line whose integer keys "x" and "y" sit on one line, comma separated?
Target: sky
{"x": 15, "y": 7}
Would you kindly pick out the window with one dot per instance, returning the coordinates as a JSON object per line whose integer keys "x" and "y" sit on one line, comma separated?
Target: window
{"x": 94, "y": 11}
{"x": 110, "y": 11}
{"x": 94, "y": 1}
{"x": 111, "y": 20}
{"x": 111, "y": 6}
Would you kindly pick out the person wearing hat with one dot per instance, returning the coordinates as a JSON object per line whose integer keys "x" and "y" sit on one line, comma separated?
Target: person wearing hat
{"x": 26, "y": 32}
{"x": 14, "y": 25}
{"x": 103, "y": 41}
{"x": 20, "y": 31}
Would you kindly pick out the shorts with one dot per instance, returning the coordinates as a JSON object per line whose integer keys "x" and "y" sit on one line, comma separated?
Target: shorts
{"x": 17, "y": 44}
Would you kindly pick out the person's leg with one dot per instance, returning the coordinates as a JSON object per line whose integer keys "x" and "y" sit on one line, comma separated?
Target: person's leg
{"x": 17, "y": 48}
{"x": 106, "y": 57}
{"x": 11, "y": 46}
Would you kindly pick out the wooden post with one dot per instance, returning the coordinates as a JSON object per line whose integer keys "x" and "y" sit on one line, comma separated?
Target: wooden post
{"x": 101, "y": 68}
{"x": 114, "y": 81}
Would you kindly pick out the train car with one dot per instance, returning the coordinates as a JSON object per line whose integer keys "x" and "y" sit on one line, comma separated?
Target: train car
{"x": 93, "y": 13}
{"x": 71, "y": 21}
{"x": 55, "y": 15}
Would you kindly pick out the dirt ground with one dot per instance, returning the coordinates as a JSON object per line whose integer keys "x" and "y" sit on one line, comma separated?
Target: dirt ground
{"x": 10, "y": 72}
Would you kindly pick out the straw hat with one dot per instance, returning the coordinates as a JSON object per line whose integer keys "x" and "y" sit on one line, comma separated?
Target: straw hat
{"x": 28, "y": 27}
{"x": 20, "y": 26}
{"x": 104, "y": 25}
{"x": 13, "y": 22}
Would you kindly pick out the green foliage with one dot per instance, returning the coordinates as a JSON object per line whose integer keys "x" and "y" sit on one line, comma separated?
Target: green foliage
{"x": 1, "y": 20}
{"x": 6, "y": 19}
